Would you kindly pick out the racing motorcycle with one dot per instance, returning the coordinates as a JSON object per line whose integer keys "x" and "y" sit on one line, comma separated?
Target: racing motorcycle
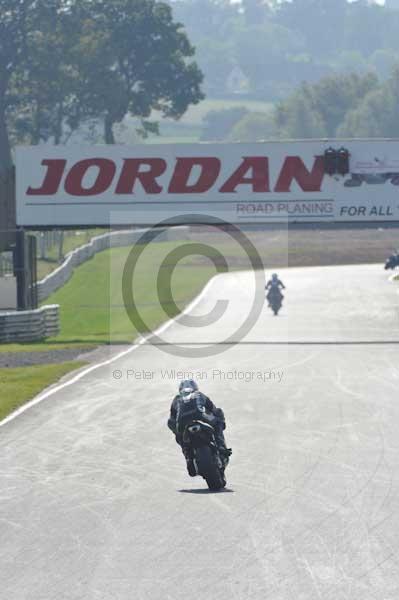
{"x": 275, "y": 299}
{"x": 392, "y": 262}
{"x": 199, "y": 437}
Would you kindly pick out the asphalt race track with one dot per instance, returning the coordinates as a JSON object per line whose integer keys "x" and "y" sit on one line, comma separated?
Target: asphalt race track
{"x": 95, "y": 503}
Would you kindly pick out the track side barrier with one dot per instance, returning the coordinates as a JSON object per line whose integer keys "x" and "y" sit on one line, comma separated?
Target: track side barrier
{"x": 29, "y": 325}
{"x": 115, "y": 239}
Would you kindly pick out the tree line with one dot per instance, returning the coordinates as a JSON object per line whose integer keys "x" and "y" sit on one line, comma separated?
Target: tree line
{"x": 344, "y": 105}
{"x": 277, "y": 44}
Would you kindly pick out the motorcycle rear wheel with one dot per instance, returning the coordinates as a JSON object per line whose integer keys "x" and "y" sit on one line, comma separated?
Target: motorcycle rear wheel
{"x": 208, "y": 469}
{"x": 276, "y": 308}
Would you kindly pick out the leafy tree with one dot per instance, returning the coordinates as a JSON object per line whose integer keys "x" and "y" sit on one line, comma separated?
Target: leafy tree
{"x": 67, "y": 61}
{"x": 140, "y": 63}
{"x": 342, "y": 106}
{"x": 210, "y": 25}
{"x": 13, "y": 31}
{"x": 318, "y": 110}
{"x": 351, "y": 61}
{"x": 216, "y": 60}
{"x": 378, "y": 113}
{"x": 333, "y": 96}
{"x": 262, "y": 53}
{"x": 316, "y": 37}
{"x": 14, "y": 18}
{"x": 364, "y": 121}
{"x": 64, "y": 61}
{"x": 319, "y": 21}
{"x": 364, "y": 27}
{"x": 254, "y": 127}
{"x": 298, "y": 119}
{"x": 42, "y": 93}
{"x": 384, "y": 61}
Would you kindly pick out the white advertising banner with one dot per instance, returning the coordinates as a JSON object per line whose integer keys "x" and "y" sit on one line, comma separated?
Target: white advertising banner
{"x": 240, "y": 183}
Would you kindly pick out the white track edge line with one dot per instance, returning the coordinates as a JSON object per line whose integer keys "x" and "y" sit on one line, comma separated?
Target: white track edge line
{"x": 79, "y": 376}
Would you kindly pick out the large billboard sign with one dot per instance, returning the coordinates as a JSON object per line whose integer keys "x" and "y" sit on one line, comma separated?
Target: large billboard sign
{"x": 240, "y": 183}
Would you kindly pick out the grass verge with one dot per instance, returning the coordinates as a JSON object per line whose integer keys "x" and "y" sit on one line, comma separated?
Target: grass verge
{"x": 93, "y": 312}
{"x": 45, "y": 346}
{"x": 20, "y": 385}
{"x": 92, "y": 305}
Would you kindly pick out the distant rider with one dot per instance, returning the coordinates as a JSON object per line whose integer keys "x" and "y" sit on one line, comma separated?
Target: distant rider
{"x": 190, "y": 401}
{"x": 274, "y": 284}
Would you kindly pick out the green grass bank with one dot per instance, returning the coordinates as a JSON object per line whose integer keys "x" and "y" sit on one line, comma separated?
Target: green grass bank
{"x": 20, "y": 385}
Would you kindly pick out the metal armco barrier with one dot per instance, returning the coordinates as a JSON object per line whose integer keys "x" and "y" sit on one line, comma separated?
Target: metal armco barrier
{"x": 115, "y": 239}
{"x": 29, "y": 325}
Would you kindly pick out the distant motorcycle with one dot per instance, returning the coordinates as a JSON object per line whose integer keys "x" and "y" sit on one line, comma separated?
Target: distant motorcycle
{"x": 392, "y": 262}
{"x": 199, "y": 436}
{"x": 275, "y": 299}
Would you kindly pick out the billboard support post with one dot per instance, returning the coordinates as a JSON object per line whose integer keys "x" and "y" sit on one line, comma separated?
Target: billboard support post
{"x": 19, "y": 269}
{"x": 7, "y": 208}
{"x": 25, "y": 270}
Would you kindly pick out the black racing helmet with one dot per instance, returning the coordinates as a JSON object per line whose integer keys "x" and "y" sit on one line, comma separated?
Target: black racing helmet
{"x": 188, "y": 386}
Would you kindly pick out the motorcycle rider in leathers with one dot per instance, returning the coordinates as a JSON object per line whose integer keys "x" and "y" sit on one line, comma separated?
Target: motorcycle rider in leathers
{"x": 273, "y": 285}
{"x": 206, "y": 407}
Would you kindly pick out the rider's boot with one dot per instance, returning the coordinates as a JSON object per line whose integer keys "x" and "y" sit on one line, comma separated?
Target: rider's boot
{"x": 225, "y": 452}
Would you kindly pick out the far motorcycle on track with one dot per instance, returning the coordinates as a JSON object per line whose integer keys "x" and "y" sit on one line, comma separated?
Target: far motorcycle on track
{"x": 275, "y": 298}
{"x": 199, "y": 438}
{"x": 392, "y": 262}
{"x": 274, "y": 295}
